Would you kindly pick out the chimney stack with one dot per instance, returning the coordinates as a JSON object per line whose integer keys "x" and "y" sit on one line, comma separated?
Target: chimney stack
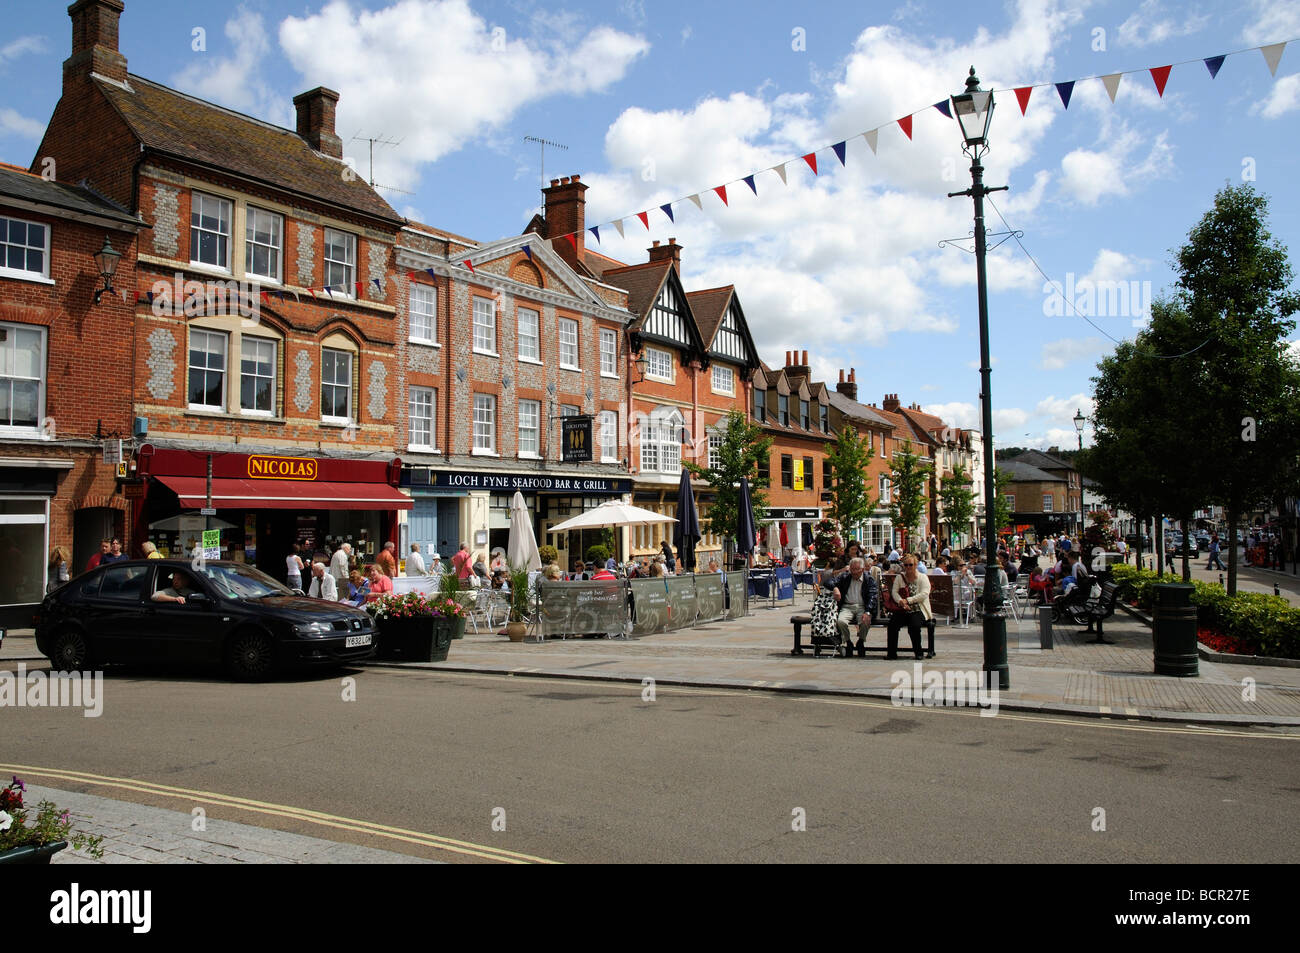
{"x": 891, "y": 403}
{"x": 849, "y": 387}
{"x": 798, "y": 366}
{"x": 316, "y": 120}
{"x": 566, "y": 214}
{"x": 672, "y": 251}
{"x": 94, "y": 42}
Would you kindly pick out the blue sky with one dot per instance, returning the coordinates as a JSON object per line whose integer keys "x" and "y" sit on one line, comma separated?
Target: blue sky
{"x": 657, "y": 101}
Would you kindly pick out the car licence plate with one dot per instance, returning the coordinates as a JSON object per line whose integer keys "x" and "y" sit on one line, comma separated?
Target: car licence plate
{"x": 356, "y": 641}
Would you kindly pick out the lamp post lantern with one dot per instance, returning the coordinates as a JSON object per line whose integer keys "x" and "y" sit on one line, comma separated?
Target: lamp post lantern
{"x": 973, "y": 110}
{"x": 1078, "y": 426}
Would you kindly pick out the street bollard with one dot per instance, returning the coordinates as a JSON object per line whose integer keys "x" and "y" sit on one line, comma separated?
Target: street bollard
{"x": 1221, "y": 585}
{"x": 1173, "y": 630}
{"x": 1044, "y": 627}
{"x": 1276, "y": 590}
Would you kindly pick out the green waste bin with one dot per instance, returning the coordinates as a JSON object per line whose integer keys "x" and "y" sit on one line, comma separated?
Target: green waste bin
{"x": 1173, "y": 631}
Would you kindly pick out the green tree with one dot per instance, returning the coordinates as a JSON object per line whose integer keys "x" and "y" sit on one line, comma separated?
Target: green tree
{"x": 1001, "y": 508}
{"x": 957, "y": 497}
{"x": 907, "y": 483}
{"x": 1243, "y": 387}
{"x": 744, "y": 447}
{"x": 849, "y": 457}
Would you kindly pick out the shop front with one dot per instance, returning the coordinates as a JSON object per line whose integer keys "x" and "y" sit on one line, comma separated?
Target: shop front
{"x": 261, "y": 505}
{"x": 26, "y": 488}
{"x": 787, "y": 529}
{"x": 450, "y": 508}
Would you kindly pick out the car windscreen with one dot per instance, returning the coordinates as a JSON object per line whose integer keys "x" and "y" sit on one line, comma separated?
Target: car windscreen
{"x": 243, "y": 582}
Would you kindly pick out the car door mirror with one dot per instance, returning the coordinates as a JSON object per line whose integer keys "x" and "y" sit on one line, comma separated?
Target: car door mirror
{"x": 198, "y": 599}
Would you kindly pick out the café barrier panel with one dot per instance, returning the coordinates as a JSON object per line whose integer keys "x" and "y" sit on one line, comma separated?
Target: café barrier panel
{"x": 737, "y": 594}
{"x": 583, "y": 608}
{"x": 710, "y": 598}
{"x": 682, "y": 604}
{"x": 650, "y": 606}
{"x": 655, "y": 605}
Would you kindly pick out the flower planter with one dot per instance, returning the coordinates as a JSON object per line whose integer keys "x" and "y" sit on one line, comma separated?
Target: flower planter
{"x": 419, "y": 639}
{"x": 38, "y": 854}
{"x": 458, "y": 630}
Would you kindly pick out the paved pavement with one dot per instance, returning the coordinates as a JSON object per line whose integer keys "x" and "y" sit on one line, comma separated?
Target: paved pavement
{"x": 1075, "y": 677}
{"x": 1249, "y": 578}
{"x": 139, "y": 834}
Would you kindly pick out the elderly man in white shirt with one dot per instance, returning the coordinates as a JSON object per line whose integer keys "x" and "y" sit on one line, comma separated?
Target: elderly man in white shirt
{"x": 322, "y": 584}
{"x": 340, "y": 565}
{"x": 415, "y": 562}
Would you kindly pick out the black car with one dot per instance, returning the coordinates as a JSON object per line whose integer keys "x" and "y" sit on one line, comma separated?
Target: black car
{"x": 173, "y": 611}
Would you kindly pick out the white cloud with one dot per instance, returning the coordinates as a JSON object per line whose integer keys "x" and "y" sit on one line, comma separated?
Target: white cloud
{"x": 236, "y": 81}
{"x": 1146, "y": 27}
{"x": 11, "y": 121}
{"x": 1283, "y": 98}
{"x": 1057, "y": 354}
{"x": 956, "y": 414}
{"x": 437, "y": 75}
{"x": 20, "y": 45}
{"x": 1062, "y": 409}
{"x": 1112, "y": 265}
{"x": 1274, "y": 21}
{"x": 974, "y": 365}
{"x": 1008, "y": 418}
{"x": 1089, "y": 175}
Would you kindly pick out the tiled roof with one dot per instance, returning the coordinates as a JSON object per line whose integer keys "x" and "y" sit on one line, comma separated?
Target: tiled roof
{"x": 442, "y": 233}
{"x": 642, "y": 284}
{"x": 927, "y": 422}
{"x": 597, "y": 263}
{"x": 175, "y": 124}
{"x": 855, "y": 410}
{"x": 1022, "y": 472}
{"x": 709, "y": 307}
{"x": 24, "y": 186}
{"x": 1043, "y": 461}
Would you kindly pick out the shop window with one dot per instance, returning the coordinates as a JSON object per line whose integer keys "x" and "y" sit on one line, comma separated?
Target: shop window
{"x": 26, "y": 554}
{"x": 207, "y": 366}
{"x": 22, "y": 377}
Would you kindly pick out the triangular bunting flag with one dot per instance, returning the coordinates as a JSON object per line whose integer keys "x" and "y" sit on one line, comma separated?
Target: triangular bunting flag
{"x": 1161, "y": 76}
{"x": 1112, "y": 84}
{"x": 1064, "y": 90}
{"x": 595, "y": 233}
{"x": 429, "y": 272}
{"x": 378, "y": 285}
{"x": 1022, "y": 97}
{"x": 360, "y": 286}
{"x": 469, "y": 264}
{"x": 148, "y": 295}
{"x": 1214, "y": 64}
{"x": 871, "y": 138}
{"x": 329, "y": 291}
{"x": 410, "y": 274}
{"x": 124, "y": 293}
{"x": 528, "y": 252}
{"x": 645, "y": 219}
{"x": 572, "y": 240}
{"x": 722, "y": 193}
{"x": 1272, "y": 56}
{"x": 906, "y": 125}
{"x": 838, "y": 149}
{"x": 942, "y": 106}
{"x": 696, "y": 199}
{"x": 618, "y": 224}
{"x": 668, "y": 210}
{"x": 749, "y": 180}
{"x": 266, "y": 297}
{"x": 811, "y": 159}
{"x": 780, "y": 170}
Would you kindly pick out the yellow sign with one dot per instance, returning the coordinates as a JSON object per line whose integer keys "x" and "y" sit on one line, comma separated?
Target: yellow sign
{"x": 281, "y": 468}
{"x": 121, "y": 470}
{"x": 798, "y": 474}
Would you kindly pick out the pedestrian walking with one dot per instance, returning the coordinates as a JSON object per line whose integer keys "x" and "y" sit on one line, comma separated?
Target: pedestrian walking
{"x": 415, "y": 562}
{"x": 293, "y": 565}
{"x": 462, "y": 563}
{"x": 1214, "y": 553}
{"x": 340, "y": 565}
{"x": 58, "y": 569}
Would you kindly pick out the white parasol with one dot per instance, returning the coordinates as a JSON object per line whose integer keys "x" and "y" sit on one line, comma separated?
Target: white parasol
{"x": 613, "y": 513}
{"x": 521, "y": 547}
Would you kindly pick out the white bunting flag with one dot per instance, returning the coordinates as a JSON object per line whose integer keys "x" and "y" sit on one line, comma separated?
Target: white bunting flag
{"x": 1112, "y": 84}
{"x": 780, "y": 170}
{"x": 1273, "y": 56}
{"x": 618, "y": 224}
{"x": 871, "y": 138}
{"x": 696, "y": 199}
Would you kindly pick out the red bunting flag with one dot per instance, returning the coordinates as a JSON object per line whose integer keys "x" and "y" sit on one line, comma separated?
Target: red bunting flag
{"x": 906, "y": 125}
{"x": 811, "y": 159}
{"x": 572, "y": 240}
{"x": 645, "y": 219}
{"x": 722, "y": 193}
{"x": 265, "y": 298}
{"x": 1022, "y": 96}
{"x": 1161, "y": 76}
{"x": 468, "y": 264}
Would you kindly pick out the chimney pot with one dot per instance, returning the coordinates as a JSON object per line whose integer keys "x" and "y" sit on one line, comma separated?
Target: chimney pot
{"x": 554, "y": 182}
{"x": 853, "y": 374}
{"x": 573, "y": 178}
{"x": 94, "y": 41}
{"x": 804, "y": 362}
{"x": 841, "y": 375}
{"x": 655, "y": 243}
{"x": 316, "y": 120}
{"x": 565, "y": 214}
{"x": 672, "y": 241}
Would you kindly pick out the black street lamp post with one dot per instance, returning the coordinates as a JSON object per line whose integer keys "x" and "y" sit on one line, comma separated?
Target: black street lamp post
{"x": 1083, "y": 517}
{"x": 974, "y": 111}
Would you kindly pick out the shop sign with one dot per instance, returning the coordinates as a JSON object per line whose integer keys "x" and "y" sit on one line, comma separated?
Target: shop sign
{"x": 793, "y": 514}
{"x": 798, "y": 475}
{"x": 576, "y": 434}
{"x": 212, "y": 544}
{"x": 133, "y": 491}
{"x": 529, "y": 483}
{"x": 281, "y": 468}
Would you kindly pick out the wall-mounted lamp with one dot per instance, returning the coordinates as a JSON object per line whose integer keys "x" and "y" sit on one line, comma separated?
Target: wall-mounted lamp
{"x": 106, "y": 260}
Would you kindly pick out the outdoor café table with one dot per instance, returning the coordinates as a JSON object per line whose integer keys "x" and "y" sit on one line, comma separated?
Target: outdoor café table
{"x": 762, "y": 583}
{"x": 804, "y": 578}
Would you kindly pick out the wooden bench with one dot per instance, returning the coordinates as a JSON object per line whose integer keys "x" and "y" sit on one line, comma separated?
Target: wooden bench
{"x": 817, "y": 643}
{"x": 1099, "y": 610}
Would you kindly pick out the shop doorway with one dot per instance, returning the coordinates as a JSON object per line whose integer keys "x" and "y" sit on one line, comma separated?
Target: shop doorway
{"x": 277, "y": 531}
{"x": 89, "y": 527}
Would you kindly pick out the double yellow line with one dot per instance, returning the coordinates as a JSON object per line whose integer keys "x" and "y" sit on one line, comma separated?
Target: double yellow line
{"x": 279, "y": 810}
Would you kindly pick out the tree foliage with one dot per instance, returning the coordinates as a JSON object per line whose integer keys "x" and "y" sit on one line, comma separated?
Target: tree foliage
{"x": 744, "y": 447}
{"x": 849, "y": 457}
{"x": 907, "y": 483}
{"x": 1001, "y": 508}
{"x": 957, "y": 497}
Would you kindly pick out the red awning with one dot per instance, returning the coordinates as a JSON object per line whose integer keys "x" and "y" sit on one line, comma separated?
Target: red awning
{"x": 234, "y": 494}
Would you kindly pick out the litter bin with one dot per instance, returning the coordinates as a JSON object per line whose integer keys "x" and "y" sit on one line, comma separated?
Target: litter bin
{"x": 1044, "y": 627}
{"x": 1173, "y": 631}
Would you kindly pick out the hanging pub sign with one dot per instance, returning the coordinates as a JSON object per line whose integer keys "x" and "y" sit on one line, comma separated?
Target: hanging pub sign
{"x": 575, "y": 432}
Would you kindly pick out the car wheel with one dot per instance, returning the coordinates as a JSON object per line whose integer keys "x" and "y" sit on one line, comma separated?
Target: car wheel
{"x": 70, "y": 651}
{"x": 251, "y": 656}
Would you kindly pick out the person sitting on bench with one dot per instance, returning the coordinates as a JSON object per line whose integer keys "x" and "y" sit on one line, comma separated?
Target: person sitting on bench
{"x": 855, "y": 592}
{"x": 911, "y": 590}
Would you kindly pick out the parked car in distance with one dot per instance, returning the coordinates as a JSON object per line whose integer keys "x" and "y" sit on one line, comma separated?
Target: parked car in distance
{"x": 167, "y": 611}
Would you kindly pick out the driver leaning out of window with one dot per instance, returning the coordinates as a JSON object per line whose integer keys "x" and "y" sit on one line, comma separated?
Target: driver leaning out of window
{"x": 181, "y": 586}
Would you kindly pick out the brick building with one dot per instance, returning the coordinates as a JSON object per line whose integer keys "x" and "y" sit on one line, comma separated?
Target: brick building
{"x": 876, "y": 432}
{"x": 56, "y": 404}
{"x": 264, "y": 329}
{"x": 795, "y": 412}
{"x": 500, "y": 343}
{"x": 1045, "y": 491}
